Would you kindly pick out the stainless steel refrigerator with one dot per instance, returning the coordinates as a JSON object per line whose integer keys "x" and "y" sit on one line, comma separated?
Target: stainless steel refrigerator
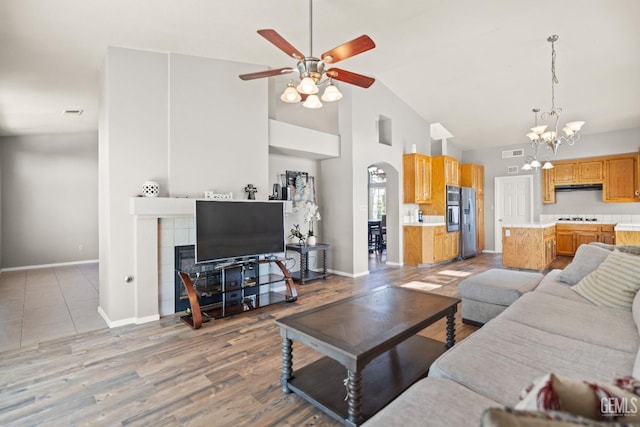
{"x": 468, "y": 237}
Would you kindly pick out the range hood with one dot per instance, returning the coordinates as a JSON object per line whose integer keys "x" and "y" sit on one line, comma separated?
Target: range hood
{"x": 578, "y": 187}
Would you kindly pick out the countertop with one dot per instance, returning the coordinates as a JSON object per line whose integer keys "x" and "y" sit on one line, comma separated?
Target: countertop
{"x": 423, "y": 224}
{"x": 627, "y": 227}
{"x": 530, "y": 225}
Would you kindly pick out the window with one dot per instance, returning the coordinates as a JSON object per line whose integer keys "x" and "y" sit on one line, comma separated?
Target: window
{"x": 377, "y": 192}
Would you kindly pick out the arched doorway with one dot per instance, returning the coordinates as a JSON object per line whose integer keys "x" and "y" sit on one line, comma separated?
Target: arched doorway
{"x": 383, "y": 210}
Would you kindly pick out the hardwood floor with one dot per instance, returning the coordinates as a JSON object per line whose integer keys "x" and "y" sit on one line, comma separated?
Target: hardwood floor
{"x": 165, "y": 373}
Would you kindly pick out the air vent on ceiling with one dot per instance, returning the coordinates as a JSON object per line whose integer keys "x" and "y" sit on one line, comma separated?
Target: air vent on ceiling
{"x": 512, "y": 170}
{"x": 512, "y": 153}
{"x": 76, "y": 112}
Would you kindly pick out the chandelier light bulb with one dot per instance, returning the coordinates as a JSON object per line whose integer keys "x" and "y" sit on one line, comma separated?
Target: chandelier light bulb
{"x": 575, "y": 126}
{"x": 547, "y": 165}
{"x": 290, "y": 95}
{"x": 312, "y": 102}
{"x": 567, "y": 131}
{"x": 331, "y": 93}
{"x": 308, "y": 86}
{"x": 532, "y": 136}
{"x": 539, "y": 129}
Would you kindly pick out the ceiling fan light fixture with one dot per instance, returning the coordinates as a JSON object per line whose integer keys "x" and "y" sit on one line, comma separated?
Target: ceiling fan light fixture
{"x": 312, "y": 101}
{"x": 290, "y": 94}
{"x": 331, "y": 93}
{"x": 308, "y": 86}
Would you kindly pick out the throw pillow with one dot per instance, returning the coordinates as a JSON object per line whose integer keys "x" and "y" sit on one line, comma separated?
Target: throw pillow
{"x": 628, "y": 249}
{"x": 586, "y": 260}
{"x": 614, "y": 283}
{"x": 591, "y": 400}
{"x": 509, "y": 417}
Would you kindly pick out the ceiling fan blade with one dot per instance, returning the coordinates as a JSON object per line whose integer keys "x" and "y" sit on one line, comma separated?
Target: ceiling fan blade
{"x": 350, "y": 77}
{"x": 266, "y": 73}
{"x": 281, "y": 43}
{"x": 349, "y": 49}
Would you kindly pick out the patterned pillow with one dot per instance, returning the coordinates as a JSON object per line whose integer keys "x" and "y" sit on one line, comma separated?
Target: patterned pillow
{"x": 509, "y": 417}
{"x": 595, "y": 401}
{"x": 614, "y": 283}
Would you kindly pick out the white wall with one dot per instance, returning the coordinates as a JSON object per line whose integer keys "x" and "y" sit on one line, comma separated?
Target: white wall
{"x": 582, "y": 202}
{"x": 346, "y": 178}
{"x": 188, "y": 123}
{"x": 50, "y": 199}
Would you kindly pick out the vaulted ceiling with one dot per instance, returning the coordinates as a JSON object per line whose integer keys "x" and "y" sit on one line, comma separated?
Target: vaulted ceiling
{"x": 477, "y": 67}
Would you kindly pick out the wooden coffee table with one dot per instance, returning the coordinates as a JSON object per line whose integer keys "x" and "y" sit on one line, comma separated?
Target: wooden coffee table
{"x": 373, "y": 336}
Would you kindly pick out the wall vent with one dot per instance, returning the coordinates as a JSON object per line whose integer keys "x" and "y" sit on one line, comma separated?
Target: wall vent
{"x": 512, "y": 153}
{"x": 512, "y": 170}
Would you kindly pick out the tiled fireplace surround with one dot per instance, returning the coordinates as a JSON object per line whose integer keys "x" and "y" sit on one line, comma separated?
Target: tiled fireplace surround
{"x": 161, "y": 224}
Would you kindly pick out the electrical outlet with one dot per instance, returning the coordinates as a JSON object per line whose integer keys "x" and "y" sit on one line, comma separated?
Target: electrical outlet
{"x": 507, "y": 233}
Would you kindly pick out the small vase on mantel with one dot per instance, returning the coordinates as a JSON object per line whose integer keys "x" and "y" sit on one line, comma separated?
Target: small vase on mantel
{"x": 311, "y": 240}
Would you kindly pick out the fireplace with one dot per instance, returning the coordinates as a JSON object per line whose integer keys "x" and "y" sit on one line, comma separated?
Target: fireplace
{"x": 205, "y": 278}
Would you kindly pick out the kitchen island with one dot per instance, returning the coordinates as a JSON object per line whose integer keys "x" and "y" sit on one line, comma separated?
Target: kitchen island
{"x": 627, "y": 234}
{"x": 530, "y": 246}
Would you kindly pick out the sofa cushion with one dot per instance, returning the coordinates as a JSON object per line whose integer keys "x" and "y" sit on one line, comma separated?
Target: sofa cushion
{"x": 583, "y": 398}
{"x": 628, "y": 249}
{"x": 552, "y": 286}
{"x": 436, "y": 402}
{"x": 614, "y": 283}
{"x": 586, "y": 260}
{"x": 503, "y": 356}
{"x": 608, "y": 327}
{"x": 499, "y": 286}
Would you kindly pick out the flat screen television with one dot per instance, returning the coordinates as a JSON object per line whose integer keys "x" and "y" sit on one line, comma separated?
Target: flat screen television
{"x": 234, "y": 229}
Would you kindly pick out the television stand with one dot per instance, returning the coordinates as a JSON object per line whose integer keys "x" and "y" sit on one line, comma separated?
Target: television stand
{"x": 238, "y": 294}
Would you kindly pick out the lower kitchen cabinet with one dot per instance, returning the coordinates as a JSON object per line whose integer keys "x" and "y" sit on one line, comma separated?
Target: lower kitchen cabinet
{"x": 570, "y": 236}
{"x": 425, "y": 244}
{"x": 532, "y": 248}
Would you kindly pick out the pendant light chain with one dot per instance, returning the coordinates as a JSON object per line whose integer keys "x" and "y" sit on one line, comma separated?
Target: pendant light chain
{"x": 554, "y": 78}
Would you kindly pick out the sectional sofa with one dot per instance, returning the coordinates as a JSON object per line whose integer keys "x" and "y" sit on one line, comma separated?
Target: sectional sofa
{"x": 552, "y": 329}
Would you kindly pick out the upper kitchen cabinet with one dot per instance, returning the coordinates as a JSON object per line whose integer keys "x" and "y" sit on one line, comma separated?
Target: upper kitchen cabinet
{"x": 451, "y": 171}
{"x": 416, "y": 178}
{"x": 621, "y": 180}
{"x": 578, "y": 172}
{"x": 618, "y": 175}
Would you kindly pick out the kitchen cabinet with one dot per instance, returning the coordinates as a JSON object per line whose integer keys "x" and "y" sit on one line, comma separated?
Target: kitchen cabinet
{"x": 548, "y": 186}
{"x": 627, "y": 237}
{"x": 444, "y": 171}
{"x": 620, "y": 183}
{"x": 590, "y": 172}
{"x": 532, "y": 248}
{"x": 564, "y": 173}
{"x": 429, "y": 244}
{"x": 416, "y": 178}
{"x": 619, "y": 176}
{"x": 472, "y": 175}
{"x": 570, "y": 236}
{"x": 451, "y": 171}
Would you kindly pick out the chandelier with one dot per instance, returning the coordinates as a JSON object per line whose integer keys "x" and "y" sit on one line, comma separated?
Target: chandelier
{"x": 539, "y": 134}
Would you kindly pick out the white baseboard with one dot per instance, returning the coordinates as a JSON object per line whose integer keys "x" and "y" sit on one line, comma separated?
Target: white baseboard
{"x": 59, "y": 264}
{"x": 351, "y": 275}
{"x": 487, "y": 251}
{"x": 399, "y": 264}
{"x": 129, "y": 321}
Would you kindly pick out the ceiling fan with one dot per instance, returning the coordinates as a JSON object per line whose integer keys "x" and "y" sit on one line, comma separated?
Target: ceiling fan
{"x": 312, "y": 69}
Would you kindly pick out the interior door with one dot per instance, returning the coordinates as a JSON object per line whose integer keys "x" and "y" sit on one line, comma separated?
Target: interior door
{"x": 514, "y": 203}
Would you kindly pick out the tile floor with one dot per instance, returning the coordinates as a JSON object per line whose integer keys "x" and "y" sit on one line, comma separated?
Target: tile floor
{"x": 47, "y": 303}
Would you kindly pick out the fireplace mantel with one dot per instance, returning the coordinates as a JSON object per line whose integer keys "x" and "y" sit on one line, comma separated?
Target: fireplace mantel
{"x": 161, "y": 207}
